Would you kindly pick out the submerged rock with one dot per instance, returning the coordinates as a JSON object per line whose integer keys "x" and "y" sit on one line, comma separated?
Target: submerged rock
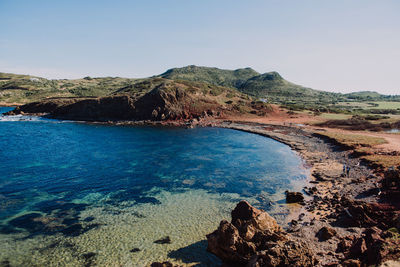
{"x": 162, "y": 264}
{"x": 165, "y": 240}
{"x": 254, "y": 238}
{"x": 294, "y": 197}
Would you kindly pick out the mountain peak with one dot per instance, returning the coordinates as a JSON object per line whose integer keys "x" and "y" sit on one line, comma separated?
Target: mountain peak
{"x": 211, "y": 75}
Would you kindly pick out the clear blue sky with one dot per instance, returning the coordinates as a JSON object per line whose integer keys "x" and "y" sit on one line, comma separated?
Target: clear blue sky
{"x": 336, "y": 45}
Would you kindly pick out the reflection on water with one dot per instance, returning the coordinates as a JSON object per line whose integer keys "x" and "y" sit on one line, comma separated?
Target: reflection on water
{"x": 393, "y": 131}
{"x": 76, "y": 194}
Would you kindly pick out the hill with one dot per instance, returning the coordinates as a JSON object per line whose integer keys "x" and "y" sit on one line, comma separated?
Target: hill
{"x": 156, "y": 99}
{"x": 269, "y": 85}
{"x": 20, "y": 89}
{"x": 370, "y": 95}
{"x": 215, "y": 76}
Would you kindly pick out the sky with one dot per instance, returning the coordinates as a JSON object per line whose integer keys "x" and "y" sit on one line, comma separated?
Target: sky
{"x": 336, "y": 45}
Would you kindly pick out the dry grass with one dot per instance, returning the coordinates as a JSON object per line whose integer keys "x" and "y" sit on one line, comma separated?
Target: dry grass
{"x": 363, "y": 145}
{"x": 382, "y": 161}
{"x": 353, "y": 140}
{"x": 335, "y": 116}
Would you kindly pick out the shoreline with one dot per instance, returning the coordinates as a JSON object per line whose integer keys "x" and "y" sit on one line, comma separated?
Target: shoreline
{"x": 325, "y": 185}
{"x": 326, "y": 188}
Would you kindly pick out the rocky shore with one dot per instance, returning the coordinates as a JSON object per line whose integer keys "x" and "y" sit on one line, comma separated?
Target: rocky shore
{"x": 347, "y": 220}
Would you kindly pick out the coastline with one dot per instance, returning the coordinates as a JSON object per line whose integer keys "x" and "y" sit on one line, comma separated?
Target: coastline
{"x": 325, "y": 186}
{"x": 11, "y": 105}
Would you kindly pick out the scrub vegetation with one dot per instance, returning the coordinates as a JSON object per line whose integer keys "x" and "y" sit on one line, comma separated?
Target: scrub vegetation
{"x": 228, "y": 86}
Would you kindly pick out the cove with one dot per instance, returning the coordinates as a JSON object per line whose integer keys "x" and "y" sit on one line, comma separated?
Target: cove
{"x": 83, "y": 194}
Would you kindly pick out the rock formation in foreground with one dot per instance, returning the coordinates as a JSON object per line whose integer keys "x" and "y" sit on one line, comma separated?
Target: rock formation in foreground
{"x": 253, "y": 238}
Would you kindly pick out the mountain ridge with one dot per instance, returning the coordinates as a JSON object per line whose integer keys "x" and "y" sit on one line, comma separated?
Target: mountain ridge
{"x": 270, "y": 86}
{"x": 261, "y": 85}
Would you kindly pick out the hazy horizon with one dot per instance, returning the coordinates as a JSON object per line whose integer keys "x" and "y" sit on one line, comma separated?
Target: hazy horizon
{"x": 335, "y": 46}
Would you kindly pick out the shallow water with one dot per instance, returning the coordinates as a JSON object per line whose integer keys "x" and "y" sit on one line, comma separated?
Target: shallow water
{"x": 393, "y": 131}
{"x": 78, "y": 194}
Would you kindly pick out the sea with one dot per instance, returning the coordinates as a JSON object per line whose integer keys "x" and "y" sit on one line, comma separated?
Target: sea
{"x": 79, "y": 194}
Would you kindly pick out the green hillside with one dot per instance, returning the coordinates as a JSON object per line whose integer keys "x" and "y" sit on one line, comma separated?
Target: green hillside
{"x": 21, "y": 89}
{"x": 370, "y": 95}
{"x": 227, "y": 78}
{"x": 270, "y": 86}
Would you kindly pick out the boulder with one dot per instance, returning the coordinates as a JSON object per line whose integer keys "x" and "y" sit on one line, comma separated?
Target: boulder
{"x": 351, "y": 263}
{"x": 294, "y": 197}
{"x": 254, "y": 238}
{"x": 326, "y": 233}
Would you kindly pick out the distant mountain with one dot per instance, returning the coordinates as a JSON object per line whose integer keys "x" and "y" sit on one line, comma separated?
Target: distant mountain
{"x": 247, "y": 80}
{"x": 364, "y": 95}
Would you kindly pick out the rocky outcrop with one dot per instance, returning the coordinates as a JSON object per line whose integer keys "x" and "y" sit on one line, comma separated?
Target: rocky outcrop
{"x": 253, "y": 238}
{"x": 352, "y": 213}
{"x": 98, "y": 109}
{"x": 168, "y": 101}
{"x": 44, "y": 106}
{"x": 372, "y": 247}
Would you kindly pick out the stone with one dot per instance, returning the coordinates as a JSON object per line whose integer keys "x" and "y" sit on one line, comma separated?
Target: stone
{"x": 165, "y": 240}
{"x": 326, "y": 233}
{"x": 351, "y": 263}
{"x": 162, "y": 264}
{"x": 294, "y": 197}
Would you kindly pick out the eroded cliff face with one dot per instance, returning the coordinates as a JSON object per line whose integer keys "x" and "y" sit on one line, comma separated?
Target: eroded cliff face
{"x": 44, "y": 106}
{"x": 165, "y": 102}
{"x": 173, "y": 103}
{"x": 98, "y": 109}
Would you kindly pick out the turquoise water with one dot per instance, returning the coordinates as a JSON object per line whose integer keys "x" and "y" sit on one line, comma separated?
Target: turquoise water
{"x": 74, "y": 194}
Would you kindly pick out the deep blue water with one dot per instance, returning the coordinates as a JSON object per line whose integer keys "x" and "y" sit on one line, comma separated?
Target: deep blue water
{"x": 48, "y": 166}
